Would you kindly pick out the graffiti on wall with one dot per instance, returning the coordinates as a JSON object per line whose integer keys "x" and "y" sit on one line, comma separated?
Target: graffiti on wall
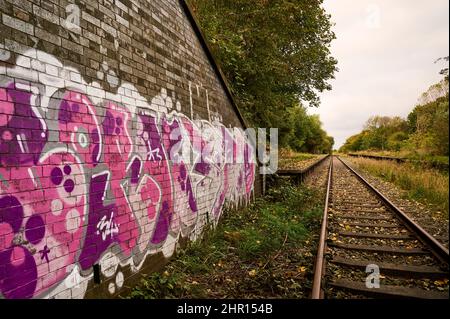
{"x": 93, "y": 177}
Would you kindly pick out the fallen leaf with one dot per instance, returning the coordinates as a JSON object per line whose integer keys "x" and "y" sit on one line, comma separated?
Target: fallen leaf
{"x": 301, "y": 269}
{"x": 441, "y": 282}
{"x": 252, "y": 273}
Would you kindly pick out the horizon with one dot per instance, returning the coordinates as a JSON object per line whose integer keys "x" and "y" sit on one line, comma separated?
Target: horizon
{"x": 396, "y": 66}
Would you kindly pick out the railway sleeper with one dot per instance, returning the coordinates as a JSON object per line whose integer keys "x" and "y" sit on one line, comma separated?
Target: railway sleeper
{"x": 357, "y": 202}
{"x": 372, "y": 235}
{"x": 388, "y": 291}
{"x": 394, "y": 269}
{"x": 354, "y": 210}
{"x": 385, "y": 218}
{"x": 383, "y": 225}
{"x": 380, "y": 249}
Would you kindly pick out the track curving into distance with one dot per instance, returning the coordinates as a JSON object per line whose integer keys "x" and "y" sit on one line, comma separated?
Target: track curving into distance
{"x": 370, "y": 248}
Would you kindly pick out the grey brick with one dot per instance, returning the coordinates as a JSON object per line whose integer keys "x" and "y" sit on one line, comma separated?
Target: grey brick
{"x": 106, "y": 11}
{"x": 125, "y": 68}
{"x": 20, "y": 48}
{"x": 23, "y": 4}
{"x": 72, "y": 46}
{"x": 53, "y": 18}
{"x": 17, "y": 24}
{"x": 122, "y": 21}
{"x": 109, "y": 29}
{"x": 47, "y": 36}
{"x": 86, "y": 16}
{"x": 24, "y": 61}
{"x": 121, "y": 6}
{"x": 92, "y": 37}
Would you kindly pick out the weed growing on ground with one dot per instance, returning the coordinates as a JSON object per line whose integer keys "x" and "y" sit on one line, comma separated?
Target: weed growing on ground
{"x": 256, "y": 251}
{"x": 428, "y": 186}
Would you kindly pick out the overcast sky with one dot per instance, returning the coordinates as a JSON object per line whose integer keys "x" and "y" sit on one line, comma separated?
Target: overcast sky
{"x": 386, "y": 51}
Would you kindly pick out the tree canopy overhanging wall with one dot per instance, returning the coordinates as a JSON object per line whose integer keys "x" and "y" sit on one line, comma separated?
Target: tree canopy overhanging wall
{"x": 99, "y": 103}
{"x": 276, "y": 55}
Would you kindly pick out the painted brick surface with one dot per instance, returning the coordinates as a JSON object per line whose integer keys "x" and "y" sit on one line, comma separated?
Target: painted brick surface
{"x": 118, "y": 143}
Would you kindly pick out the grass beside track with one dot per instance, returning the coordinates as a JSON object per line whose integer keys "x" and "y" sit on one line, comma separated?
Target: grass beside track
{"x": 413, "y": 157}
{"x": 265, "y": 250}
{"x": 428, "y": 186}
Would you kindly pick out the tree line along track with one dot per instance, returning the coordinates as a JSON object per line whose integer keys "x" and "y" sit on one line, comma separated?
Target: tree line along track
{"x": 363, "y": 231}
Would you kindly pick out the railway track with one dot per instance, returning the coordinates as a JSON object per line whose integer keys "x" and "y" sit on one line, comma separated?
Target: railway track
{"x": 369, "y": 248}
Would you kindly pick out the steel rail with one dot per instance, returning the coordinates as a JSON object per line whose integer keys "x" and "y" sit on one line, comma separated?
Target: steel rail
{"x": 441, "y": 252}
{"x": 319, "y": 268}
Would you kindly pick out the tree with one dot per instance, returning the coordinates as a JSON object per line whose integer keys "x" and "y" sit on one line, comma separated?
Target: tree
{"x": 425, "y": 132}
{"x": 305, "y": 132}
{"x": 434, "y": 92}
{"x": 274, "y": 53}
{"x": 443, "y": 71}
{"x": 431, "y": 130}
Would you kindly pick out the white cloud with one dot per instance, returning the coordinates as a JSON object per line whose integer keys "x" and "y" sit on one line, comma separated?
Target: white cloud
{"x": 386, "y": 51}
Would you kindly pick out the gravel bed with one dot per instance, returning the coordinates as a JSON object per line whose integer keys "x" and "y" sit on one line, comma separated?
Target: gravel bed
{"x": 337, "y": 272}
{"x": 319, "y": 177}
{"x": 412, "y": 260}
{"x": 431, "y": 219}
{"x": 361, "y": 215}
{"x": 344, "y": 227}
{"x": 392, "y": 221}
{"x": 350, "y": 198}
{"x": 394, "y": 243}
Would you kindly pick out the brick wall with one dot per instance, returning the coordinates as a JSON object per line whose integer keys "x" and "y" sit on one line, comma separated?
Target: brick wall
{"x": 118, "y": 143}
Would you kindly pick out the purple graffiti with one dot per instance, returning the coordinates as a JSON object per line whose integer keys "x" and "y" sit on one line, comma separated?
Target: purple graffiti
{"x": 86, "y": 178}
{"x": 22, "y": 135}
{"x": 100, "y": 226}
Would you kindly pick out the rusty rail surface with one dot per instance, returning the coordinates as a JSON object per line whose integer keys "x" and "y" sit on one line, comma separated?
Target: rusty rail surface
{"x": 319, "y": 270}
